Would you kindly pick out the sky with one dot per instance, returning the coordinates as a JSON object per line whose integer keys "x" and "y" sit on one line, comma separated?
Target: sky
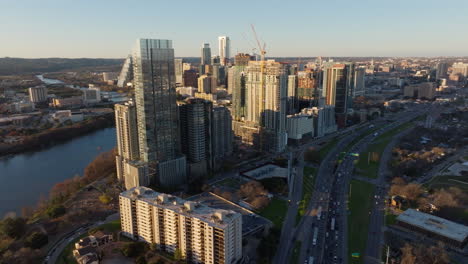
{"x": 109, "y": 28}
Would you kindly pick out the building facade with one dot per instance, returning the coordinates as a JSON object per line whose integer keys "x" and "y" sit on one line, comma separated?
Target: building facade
{"x": 202, "y": 234}
{"x": 224, "y": 49}
{"x": 38, "y": 94}
{"x": 207, "y": 84}
{"x": 179, "y": 72}
{"x": 157, "y": 111}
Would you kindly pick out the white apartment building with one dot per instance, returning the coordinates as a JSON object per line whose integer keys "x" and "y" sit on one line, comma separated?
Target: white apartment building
{"x": 202, "y": 234}
{"x": 38, "y": 94}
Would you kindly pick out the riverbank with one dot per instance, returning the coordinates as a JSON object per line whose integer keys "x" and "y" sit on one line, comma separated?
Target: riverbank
{"x": 54, "y": 136}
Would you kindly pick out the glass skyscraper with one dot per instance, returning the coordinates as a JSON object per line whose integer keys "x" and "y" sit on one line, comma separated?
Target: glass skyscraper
{"x": 157, "y": 116}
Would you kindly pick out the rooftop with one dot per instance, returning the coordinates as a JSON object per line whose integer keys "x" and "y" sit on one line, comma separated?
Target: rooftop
{"x": 434, "y": 224}
{"x": 215, "y": 217}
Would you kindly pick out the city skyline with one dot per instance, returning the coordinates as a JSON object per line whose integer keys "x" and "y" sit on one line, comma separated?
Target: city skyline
{"x": 337, "y": 28}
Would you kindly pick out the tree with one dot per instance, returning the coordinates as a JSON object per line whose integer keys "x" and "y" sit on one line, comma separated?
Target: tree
{"x": 36, "y": 240}
{"x": 178, "y": 254}
{"x": 407, "y": 255}
{"x": 105, "y": 199}
{"x": 56, "y": 211}
{"x": 13, "y": 227}
{"x": 260, "y": 202}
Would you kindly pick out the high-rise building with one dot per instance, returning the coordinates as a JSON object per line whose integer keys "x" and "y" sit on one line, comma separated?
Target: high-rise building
{"x": 195, "y": 122}
{"x": 130, "y": 170}
{"x": 179, "y": 72}
{"x": 157, "y": 111}
{"x": 38, "y": 94}
{"x": 207, "y": 84}
{"x": 190, "y": 78}
{"x": 202, "y": 234}
{"x": 460, "y": 68}
{"x": 359, "y": 81}
{"x": 441, "y": 70}
{"x": 264, "y": 120}
{"x": 126, "y": 74}
{"x": 307, "y": 90}
{"x": 205, "y": 54}
{"x": 224, "y": 49}
{"x": 292, "y": 95}
{"x": 338, "y": 87}
{"x": 221, "y": 133}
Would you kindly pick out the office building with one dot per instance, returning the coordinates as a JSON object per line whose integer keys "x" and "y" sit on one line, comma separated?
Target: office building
{"x": 38, "y": 94}
{"x": 205, "y": 54}
{"x": 338, "y": 87}
{"x": 157, "y": 111}
{"x": 195, "y": 122}
{"x": 221, "y": 133}
{"x": 424, "y": 90}
{"x": 224, "y": 49}
{"x": 460, "y": 68}
{"x": 242, "y": 59}
{"x": 92, "y": 95}
{"x": 179, "y": 72}
{"x": 301, "y": 124}
{"x": 190, "y": 78}
{"x": 292, "y": 103}
{"x": 307, "y": 90}
{"x": 215, "y": 60}
{"x": 207, "y": 84}
{"x": 324, "y": 120}
{"x": 438, "y": 228}
{"x": 441, "y": 70}
{"x": 109, "y": 76}
{"x": 359, "y": 82}
{"x": 202, "y": 234}
{"x": 126, "y": 74}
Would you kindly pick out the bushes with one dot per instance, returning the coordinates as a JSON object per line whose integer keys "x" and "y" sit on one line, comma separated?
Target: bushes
{"x": 36, "y": 240}
{"x": 105, "y": 199}
{"x": 13, "y": 227}
{"x": 134, "y": 249}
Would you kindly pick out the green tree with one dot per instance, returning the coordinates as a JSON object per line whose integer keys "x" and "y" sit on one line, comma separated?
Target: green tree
{"x": 13, "y": 227}
{"x": 178, "y": 254}
{"x": 36, "y": 240}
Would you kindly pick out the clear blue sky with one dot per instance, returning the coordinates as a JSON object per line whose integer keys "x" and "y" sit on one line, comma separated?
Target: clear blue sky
{"x": 109, "y": 28}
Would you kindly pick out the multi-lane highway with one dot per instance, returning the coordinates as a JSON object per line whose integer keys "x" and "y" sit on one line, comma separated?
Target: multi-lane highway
{"x": 329, "y": 198}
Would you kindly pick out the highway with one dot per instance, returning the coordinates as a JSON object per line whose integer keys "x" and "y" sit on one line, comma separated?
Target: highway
{"x": 330, "y": 196}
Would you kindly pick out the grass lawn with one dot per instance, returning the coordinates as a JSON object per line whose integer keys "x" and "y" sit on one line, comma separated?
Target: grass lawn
{"x": 390, "y": 219}
{"x": 275, "y": 212}
{"x": 327, "y": 147}
{"x": 358, "y": 220}
{"x": 448, "y": 181}
{"x": 295, "y": 254}
{"x": 307, "y": 188}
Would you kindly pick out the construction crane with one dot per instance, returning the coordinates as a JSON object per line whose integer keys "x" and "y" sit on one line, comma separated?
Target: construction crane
{"x": 260, "y": 48}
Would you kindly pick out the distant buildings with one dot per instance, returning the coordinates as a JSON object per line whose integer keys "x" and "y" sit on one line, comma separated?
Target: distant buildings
{"x": 109, "y": 76}
{"x": 207, "y": 84}
{"x": 205, "y": 62}
{"x": 359, "y": 82}
{"x": 179, "y": 71}
{"x": 441, "y": 70}
{"x": 74, "y": 101}
{"x": 421, "y": 91}
{"x": 224, "y": 49}
{"x": 91, "y": 95}
{"x": 126, "y": 74}
{"x": 202, "y": 234}
{"x": 38, "y": 94}
{"x": 190, "y": 78}
{"x": 157, "y": 113}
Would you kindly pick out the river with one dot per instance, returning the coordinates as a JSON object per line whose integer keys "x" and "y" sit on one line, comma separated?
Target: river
{"x": 25, "y": 177}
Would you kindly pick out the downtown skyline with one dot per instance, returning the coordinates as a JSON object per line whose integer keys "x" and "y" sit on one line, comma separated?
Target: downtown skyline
{"x": 332, "y": 29}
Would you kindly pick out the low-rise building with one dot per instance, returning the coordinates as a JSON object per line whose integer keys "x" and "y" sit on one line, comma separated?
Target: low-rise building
{"x": 422, "y": 90}
{"x": 434, "y": 227}
{"x": 67, "y": 102}
{"x": 300, "y": 125}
